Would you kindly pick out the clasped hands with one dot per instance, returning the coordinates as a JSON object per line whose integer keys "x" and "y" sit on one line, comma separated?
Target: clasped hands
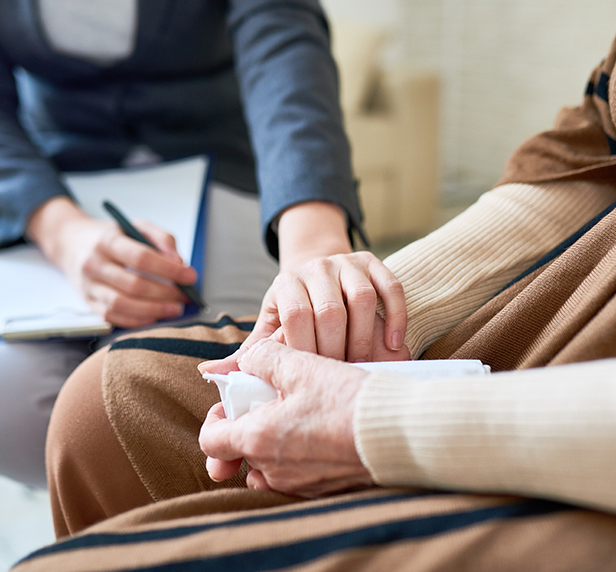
{"x": 302, "y": 443}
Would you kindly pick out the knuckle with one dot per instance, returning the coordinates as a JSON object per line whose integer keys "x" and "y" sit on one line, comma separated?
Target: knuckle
{"x": 322, "y": 264}
{"x": 330, "y": 311}
{"x": 294, "y": 313}
{"x": 394, "y": 285}
{"x": 362, "y": 295}
{"x": 89, "y": 266}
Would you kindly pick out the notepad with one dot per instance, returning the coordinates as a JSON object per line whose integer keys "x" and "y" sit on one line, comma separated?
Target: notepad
{"x": 38, "y": 302}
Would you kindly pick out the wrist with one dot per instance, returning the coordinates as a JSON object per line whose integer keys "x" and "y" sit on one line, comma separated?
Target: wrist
{"x": 47, "y": 223}
{"x": 311, "y": 230}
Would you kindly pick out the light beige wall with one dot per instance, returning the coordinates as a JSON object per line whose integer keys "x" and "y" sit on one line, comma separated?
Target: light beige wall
{"x": 506, "y": 67}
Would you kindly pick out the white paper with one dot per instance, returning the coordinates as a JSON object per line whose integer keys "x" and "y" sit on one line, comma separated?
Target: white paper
{"x": 241, "y": 392}
{"x": 36, "y": 299}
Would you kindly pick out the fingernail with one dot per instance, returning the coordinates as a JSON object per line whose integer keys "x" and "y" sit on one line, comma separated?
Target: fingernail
{"x": 213, "y": 479}
{"x": 396, "y": 340}
{"x": 203, "y": 366}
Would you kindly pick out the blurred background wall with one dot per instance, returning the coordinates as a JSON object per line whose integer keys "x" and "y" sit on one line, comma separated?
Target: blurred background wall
{"x": 504, "y": 68}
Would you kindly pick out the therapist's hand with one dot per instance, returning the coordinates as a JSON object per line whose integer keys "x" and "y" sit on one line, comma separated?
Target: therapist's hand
{"x": 127, "y": 283}
{"x": 324, "y": 299}
{"x": 300, "y": 444}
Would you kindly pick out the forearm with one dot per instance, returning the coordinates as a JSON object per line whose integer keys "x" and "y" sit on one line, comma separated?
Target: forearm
{"x": 456, "y": 269}
{"x": 311, "y": 230}
{"x": 548, "y": 432}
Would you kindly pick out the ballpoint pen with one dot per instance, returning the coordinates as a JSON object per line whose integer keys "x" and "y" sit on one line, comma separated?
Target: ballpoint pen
{"x": 190, "y": 291}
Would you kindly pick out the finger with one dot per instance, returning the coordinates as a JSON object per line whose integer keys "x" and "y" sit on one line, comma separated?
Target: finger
{"x": 361, "y": 307}
{"x": 220, "y": 438}
{"x": 330, "y": 314}
{"x": 295, "y": 314}
{"x": 222, "y": 470}
{"x": 264, "y": 327}
{"x": 278, "y": 336}
{"x": 160, "y": 238}
{"x": 125, "y": 311}
{"x": 128, "y": 252}
{"x": 221, "y": 366}
{"x": 130, "y": 282}
{"x": 218, "y": 469}
{"x": 380, "y": 352}
{"x": 391, "y": 292}
{"x": 279, "y": 365}
{"x": 256, "y": 480}
{"x": 215, "y": 414}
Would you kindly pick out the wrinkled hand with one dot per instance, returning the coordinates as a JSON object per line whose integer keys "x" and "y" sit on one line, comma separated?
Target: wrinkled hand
{"x": 127, "y": 283}
{"x": 328, "y": 306}
{"x": 300, "y": 444}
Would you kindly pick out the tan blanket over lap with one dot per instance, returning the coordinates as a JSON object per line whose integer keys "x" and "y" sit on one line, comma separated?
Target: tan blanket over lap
{"x": 156, "y": 401}
{"x": 563, "y": 312}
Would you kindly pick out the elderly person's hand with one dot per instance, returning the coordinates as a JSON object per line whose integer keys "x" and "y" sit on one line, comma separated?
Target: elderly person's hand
{"x": 302, "y": 443}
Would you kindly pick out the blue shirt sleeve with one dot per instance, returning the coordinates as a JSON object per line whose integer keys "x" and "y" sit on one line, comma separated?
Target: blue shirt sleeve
{"x": 27, "y": 179}
{"x": 289, "y": 85}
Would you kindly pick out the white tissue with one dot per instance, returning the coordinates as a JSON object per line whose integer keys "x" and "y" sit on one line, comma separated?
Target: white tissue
{"x": 241, "y": 392}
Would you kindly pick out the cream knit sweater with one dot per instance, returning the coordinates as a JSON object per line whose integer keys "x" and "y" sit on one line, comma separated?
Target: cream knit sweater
{"x": 549, "y": 432}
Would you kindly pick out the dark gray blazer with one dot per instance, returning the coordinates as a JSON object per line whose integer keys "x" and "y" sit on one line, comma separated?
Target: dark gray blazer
{"x": 239, "y": 79}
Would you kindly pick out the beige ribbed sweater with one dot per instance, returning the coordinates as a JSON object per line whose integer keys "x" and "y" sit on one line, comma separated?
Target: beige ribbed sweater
{"x": 549, "y": 432}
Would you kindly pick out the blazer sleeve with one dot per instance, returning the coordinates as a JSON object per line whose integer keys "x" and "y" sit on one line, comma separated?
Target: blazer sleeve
{"x": 27, "y": 179}
{"x": 289, "y": 85}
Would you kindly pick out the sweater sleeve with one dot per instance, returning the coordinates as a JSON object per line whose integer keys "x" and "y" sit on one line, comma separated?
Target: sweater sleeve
{"x": 27, "y": 180}
{"x": 548, "y": 432}
{"x": 289, "y": 86}
{"x": 453, "y": 271}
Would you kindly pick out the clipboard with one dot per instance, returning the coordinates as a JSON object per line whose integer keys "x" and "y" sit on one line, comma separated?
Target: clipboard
{"x": 37, "y": 300}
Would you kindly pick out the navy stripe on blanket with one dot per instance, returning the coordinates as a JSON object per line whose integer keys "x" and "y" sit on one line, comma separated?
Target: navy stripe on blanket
{"x": 176, "y": 346}
{"x": 602, "y": 87}
{"x": 296, "y": 553}
{"x": 223, "y": 322}
{"x": 190, "y": 348}
{"x": 305, "y": 510}
{"x": 558, "y": 250}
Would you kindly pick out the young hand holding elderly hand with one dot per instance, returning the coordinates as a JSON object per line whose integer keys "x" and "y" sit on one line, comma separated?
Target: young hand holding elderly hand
{"x": 302, "y": 443}
{"x": 324, "y": 299}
